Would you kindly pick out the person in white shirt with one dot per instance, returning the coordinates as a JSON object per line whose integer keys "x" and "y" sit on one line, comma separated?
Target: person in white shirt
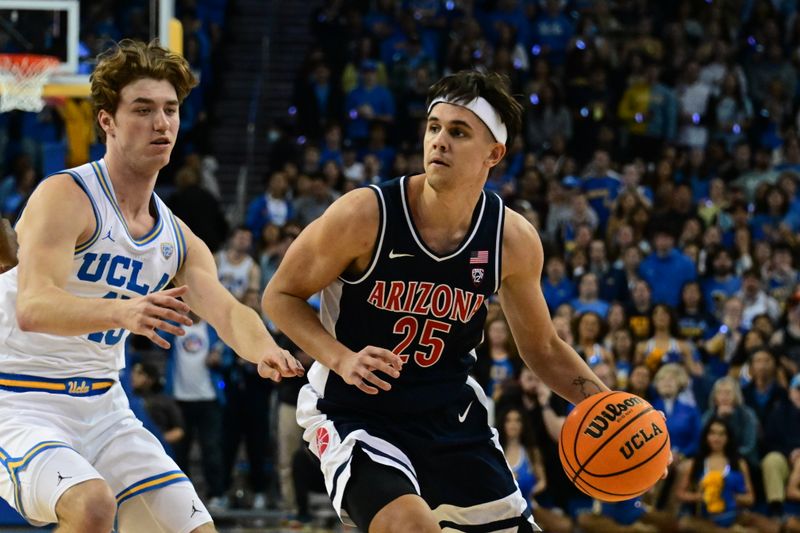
{"x": 755, "y": 299}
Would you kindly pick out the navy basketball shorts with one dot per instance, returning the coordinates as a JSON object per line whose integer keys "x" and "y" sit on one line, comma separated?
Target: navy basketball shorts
{"x": 450, "y": 456}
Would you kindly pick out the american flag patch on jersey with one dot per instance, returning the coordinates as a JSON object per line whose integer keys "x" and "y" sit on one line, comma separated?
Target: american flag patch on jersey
{"x": 479, "y": 258}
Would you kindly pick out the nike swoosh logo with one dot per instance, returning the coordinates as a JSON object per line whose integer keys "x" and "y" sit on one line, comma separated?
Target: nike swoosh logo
{"x": 393, "y": 255}
{"x": 463, "y": 416}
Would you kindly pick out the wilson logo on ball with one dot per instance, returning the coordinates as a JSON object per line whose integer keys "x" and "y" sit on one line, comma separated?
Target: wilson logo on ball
{"x": 612, "y": 412}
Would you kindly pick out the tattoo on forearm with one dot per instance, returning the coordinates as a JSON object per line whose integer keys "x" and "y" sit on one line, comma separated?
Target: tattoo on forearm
{"x": 588, "y": 387}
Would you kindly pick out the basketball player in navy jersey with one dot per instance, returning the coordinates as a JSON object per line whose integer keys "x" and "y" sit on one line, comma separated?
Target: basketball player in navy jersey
{"x": 97, "y": 247}
{"x": 406, "y": 269}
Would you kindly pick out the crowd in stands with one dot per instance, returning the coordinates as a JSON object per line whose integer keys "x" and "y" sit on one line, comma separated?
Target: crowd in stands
{"x": 660, "y": 164}
{"x": 62, "y": 134}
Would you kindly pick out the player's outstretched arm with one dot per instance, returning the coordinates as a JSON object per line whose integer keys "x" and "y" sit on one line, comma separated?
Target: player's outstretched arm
{"x": 341, "y": 240}
{"x": 8, "y": 246}
{"x": 559, "y": 366}
{"x": 238, "y": 325}
{"x": 59, "y": 216}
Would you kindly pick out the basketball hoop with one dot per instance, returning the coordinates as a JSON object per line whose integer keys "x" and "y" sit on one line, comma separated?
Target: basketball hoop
{"x": 22, "y": 77}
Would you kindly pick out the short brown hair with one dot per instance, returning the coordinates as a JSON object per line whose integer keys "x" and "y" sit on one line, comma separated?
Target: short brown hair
{"x": 467, "y": 85}
{"x": 131, "y": 60}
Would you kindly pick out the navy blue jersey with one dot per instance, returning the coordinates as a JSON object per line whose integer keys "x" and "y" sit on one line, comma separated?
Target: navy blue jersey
{"x": 428, "y": 308}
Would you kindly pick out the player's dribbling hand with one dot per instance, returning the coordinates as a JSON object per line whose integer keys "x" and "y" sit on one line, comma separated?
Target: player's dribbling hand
{"x": 278, "y": 364}
{"x": 147, "y": 314}
{"x": 359, "y": 369}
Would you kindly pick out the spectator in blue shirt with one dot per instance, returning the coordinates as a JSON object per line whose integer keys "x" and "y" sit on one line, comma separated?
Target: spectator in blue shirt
{"x": 552, "y": 32}
{"x": 683, "y": 419}
{"x": 789, "y": 155}
{"x": 771, "y": 210}
{"x": 662, "y": 111}
{"x": 272, "y": 207}
{"x": 721, "y": 282}
{"x": 601, "y": 187}
{"x": 764, "y": 394}
{"x": 666, "y": 269}
{"x": 377, "y": 146}
{"x": 556, "y": 286}
{"x": 788, "y": 182}
{"x": 588, "y": 299}
{"x": 781, "y": 274}
{"x": 509, "y": 12}
{"x": 368, "y": 102}
{"x": 631, "y": 179}
{"x": 613, "y": 283}
{"x": 695, "y": 323}
{"x": 332, "y": 147}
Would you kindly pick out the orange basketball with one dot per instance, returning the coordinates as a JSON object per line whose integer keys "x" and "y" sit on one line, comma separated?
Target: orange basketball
{"x": 614, "y": 446}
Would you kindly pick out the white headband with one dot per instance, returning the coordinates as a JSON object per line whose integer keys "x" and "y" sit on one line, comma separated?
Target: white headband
{"x": 484, "y": 111}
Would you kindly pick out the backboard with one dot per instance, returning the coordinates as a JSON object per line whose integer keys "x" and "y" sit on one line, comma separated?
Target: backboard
{"x": 74, "y": 31}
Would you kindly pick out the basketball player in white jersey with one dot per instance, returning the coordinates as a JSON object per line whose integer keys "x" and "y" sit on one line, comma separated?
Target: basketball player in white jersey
{"x": 238, "y": 271}
{"x": 97, "y": 248}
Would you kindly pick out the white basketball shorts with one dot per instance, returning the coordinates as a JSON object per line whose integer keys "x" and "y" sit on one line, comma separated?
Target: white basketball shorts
{"x": 53, "y": 438}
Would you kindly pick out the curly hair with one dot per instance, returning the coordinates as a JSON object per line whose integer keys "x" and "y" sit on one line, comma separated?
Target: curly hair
{"x": 129, "y": 61}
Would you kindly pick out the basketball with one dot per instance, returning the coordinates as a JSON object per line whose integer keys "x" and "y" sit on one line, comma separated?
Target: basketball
{"x": 614, "y": 446}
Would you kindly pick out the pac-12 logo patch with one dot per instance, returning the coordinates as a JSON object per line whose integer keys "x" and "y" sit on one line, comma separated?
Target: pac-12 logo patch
{"x": 477, "y": 276}
{"x": 323, "y": 439}
{"x": 167, "y": 249}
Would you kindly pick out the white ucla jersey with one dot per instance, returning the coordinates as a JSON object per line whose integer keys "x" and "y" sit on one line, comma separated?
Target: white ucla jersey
{"x": 110, "y": 264}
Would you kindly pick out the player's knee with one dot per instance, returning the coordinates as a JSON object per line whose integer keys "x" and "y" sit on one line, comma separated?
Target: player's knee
{"x": 89, "y": 507}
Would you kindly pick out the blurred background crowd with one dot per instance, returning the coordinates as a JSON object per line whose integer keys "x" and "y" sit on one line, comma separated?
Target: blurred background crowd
{"x": 660, "y": 163}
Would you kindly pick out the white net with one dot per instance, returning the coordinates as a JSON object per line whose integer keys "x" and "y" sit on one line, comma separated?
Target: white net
{"x": 22, "y": 78}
